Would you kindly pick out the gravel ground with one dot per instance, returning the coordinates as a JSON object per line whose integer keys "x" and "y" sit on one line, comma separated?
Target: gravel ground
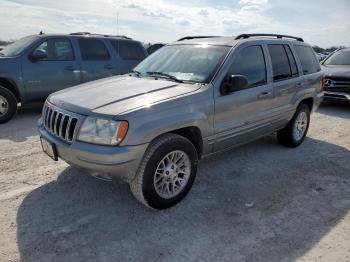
{"x": 259, "y": 202}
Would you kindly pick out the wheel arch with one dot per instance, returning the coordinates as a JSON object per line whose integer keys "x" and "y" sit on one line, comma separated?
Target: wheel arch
{"x": 193, "y": 134}
{"x": 11, "y": 86}
{"x": 308, "y": 101}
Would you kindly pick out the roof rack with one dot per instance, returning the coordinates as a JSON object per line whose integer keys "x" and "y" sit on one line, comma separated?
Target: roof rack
{"x": 244, "y": 36}
{"x": 195, "y": 37}
{"x": 87, "y": 33}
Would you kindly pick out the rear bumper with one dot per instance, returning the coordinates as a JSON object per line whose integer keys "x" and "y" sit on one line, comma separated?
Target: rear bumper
{"x": 118, "y": 162}
{"x": 336, "y": 96}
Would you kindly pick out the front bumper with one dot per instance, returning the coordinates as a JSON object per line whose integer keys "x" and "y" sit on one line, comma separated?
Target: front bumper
{"x": 119, "y": 162}
{"x": 336, "y": 96}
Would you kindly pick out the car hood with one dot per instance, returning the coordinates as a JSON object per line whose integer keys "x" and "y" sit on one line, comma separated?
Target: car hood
{"x": 336, "y": 70}
{"x": 116, "y": 95}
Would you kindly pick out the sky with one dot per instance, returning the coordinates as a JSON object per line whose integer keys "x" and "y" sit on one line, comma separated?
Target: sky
{"x": 320, "y": 22}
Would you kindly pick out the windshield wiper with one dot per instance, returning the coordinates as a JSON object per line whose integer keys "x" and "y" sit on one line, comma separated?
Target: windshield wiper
{"x": 2, "y": 54}
{"x": 165, "y": 75}
{"x": 137, "y": 73}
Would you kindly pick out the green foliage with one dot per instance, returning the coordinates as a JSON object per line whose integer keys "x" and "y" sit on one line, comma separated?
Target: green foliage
{"x": 3, "y": 43}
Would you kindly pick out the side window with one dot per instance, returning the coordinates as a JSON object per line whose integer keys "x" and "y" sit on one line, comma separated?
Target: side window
{"x": 292, "y": 63}
{"x": 129, "y": 50}
{"x": 57, "y": 50}
{"x": 93, "y": 49}
{"x": 307, "y": 58}
{"x": 250, "y": 63}
{"x": 280, "y": 62}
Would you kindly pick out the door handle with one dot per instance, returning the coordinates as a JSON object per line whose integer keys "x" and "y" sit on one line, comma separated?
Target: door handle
{"x": 299, "y": 85}
{"x": 264, "y": 94}
{"x": 108, "y": 66}
{"x": 69, "y": 68}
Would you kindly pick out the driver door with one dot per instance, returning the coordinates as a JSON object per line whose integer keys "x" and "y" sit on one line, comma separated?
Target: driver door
{"x": 59, "y": 70}
{"x": 244, "y": 115}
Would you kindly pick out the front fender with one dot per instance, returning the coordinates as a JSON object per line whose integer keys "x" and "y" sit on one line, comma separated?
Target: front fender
{"x": 156, "y": 121}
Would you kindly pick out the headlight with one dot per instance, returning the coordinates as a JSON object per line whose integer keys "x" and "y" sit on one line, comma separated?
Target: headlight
{"x": 102, "y": 131}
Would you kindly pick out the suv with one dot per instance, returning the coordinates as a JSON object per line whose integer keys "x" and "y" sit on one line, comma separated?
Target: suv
{"x": 337, "y": 76}
{"x": 36, "y": 66}
{"x": 183, "y": 103}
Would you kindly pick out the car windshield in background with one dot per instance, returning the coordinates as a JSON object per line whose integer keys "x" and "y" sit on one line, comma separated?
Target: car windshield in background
{"x": 17, "y": 47}
{"x": 339, "y": 58}
{"x": 190, "y": 63}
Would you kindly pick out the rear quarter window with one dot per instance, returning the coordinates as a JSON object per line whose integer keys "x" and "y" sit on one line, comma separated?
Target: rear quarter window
{"x": 129, "y": 50}
{"x": 307, "y": 59}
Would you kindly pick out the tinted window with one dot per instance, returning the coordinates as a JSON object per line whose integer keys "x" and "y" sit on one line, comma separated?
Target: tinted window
{"x": 291, "y": 59}
{"x": 93, "y": 49}
{"x": 307, "y": 58}
{"x": 57, "y": 50}
{"x": 280, "y": 63}
{"x": 250, "y": 63}
{"x": 129, "y": 50}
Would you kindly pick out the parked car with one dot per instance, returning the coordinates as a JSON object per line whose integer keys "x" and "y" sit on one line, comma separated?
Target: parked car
{"x": 320, "y": 56}
{"x": 190, "y": 99}
{"x": 38, "y": 65}
{"x": 337, "y": 76}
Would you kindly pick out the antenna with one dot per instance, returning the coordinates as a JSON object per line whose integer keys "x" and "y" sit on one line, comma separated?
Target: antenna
{"x": 117, "y": 23}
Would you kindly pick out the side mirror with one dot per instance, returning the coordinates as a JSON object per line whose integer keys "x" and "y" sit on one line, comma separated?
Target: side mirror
{"x": 233, "y": 83}
{"x": 38, "y": 54}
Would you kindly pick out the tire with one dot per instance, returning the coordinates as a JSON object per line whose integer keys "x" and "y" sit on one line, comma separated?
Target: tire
{"x": 290, "y": 136}
{"x": 144, "y": 185}
{"x": 8, "y": 105}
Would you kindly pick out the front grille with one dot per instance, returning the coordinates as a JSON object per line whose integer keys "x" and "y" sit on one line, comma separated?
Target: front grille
{"x": 337, "y": 84}
{"x": 60, "y": 123}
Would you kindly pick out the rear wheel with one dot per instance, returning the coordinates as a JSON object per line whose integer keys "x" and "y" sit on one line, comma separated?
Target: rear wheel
{"x": 294, "y": 133}
{"x": 166, "y": 173}
{"x": 8, "y": 105}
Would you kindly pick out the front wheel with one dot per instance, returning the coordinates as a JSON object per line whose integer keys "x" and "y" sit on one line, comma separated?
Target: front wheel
{"x": 8, "y": 105}
{"x": 295, "y": 131}
{"x": 166, "y": 173}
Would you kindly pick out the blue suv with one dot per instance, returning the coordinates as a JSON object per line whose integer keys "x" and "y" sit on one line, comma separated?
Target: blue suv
{"x": 38, "y": 65}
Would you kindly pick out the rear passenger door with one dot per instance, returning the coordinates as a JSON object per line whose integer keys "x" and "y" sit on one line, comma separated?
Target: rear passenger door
{"x": 96, "y": 61}
{"x": 285, "y": 77}
{"x": 244, "y": 115}
{"x": 130, "y": 53}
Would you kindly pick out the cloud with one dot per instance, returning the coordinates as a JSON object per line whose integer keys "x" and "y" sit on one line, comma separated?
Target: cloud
{"x": 157, "y": 15}
{"x": 164, "y": 21}
{"x": 184, "y": 22}
{"x": 204, "y": 12}
{"x": 133, "y": 6}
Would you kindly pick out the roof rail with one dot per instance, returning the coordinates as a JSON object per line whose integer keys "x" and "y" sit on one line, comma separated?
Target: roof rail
{"x": 80, "y": 33}
{"x": 195, "y": 37}
{"x": 244, "y": 36}
{"x": 87, "y": 33}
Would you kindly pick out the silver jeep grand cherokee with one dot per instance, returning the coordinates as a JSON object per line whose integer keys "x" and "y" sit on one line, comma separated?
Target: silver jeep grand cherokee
{"x": 188, "y": 100}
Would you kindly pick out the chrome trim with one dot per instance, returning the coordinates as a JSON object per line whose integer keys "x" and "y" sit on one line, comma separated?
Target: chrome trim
{"x": 54, "y": 119}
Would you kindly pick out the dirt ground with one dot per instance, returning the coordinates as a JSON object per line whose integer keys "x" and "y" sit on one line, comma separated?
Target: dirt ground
{"x": 259, "y": 202}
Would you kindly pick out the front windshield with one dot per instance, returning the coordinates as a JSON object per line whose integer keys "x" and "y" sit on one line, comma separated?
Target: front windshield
{"x": 17, "y": 47}
{"x": 192, "y": 63}
{"x": 339, "y": 58}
